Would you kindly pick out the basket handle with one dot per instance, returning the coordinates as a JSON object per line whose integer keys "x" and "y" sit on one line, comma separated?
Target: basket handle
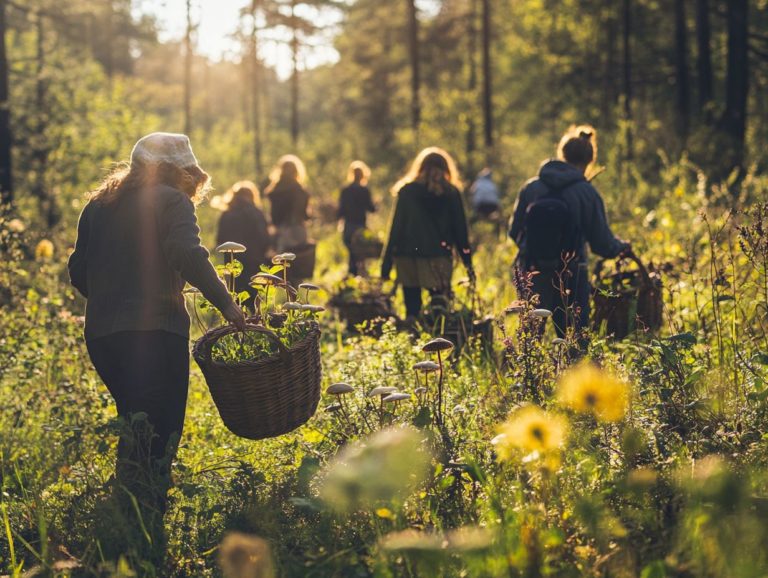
{"x": 641, "y": 267}
{"x": 271, "y": 335}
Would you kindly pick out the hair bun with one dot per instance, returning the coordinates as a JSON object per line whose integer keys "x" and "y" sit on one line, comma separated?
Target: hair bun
{"x": 585, "y": 134}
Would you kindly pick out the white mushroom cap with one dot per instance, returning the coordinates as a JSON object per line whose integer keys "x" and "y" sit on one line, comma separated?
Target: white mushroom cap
{"x": 558, "y": 341}
{"x": 397, "y": 396}
{"x": 231, "y": 247}
{"x": 381, "y": 390}
{"x": 426, "y": 366}
{"x": 309, "y": 287}
{"x": 420, "y": 390}
{"x": 458, "y": 408}
{"x": 283, "y": 257}
{"x": 292, "y": 306}
{"x": 339, "y": 388}
{"x": 333, "y": 408}
{"x": 313, "y": 308}
{"x": 541, "y": 313}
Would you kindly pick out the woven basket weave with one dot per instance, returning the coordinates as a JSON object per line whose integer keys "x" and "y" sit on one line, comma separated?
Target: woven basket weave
{"x": 266, "y": 397}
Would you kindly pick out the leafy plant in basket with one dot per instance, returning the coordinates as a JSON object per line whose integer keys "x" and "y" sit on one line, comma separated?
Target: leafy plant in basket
{"x": 265, "y": 381}
{"x": 460, "y": 319}
{"x": 360, "y": 300}
{"x": 366, "y": 244}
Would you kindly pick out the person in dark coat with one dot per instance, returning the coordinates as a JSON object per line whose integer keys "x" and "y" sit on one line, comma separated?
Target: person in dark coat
{"x": 244, "y": 222}
{"x": 137, "y": 245}
{"x": 289, "y": 203}
{"x": 565, "y": 289}
{"x": 428, "y": 227}
{"x": 355, "y": 203}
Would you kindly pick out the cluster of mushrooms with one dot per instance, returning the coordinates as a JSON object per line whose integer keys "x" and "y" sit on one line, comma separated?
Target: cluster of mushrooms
{"x": 425, "y": 392}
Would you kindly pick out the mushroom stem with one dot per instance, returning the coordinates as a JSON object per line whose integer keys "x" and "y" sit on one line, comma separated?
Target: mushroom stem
{"x": 440, "y": 389}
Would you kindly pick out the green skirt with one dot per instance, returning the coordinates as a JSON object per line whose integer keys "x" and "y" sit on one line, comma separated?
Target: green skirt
{"x": 429, "y": 273}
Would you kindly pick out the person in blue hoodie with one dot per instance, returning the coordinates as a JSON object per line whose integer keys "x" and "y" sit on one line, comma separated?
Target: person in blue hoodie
{"x": 558, "y": 213}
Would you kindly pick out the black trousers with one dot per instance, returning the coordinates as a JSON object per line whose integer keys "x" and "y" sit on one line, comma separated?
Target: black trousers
{"x": 147, "y": 373}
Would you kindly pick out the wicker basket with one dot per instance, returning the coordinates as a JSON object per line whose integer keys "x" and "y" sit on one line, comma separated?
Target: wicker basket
{"x": 634, "y": 301}
{"x": 266, "y": 397}
{"x": 373, "y": 310}
{"x": 365, "y": 248}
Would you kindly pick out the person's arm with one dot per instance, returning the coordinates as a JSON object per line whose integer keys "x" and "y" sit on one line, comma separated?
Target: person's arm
{"x": 461, "y": 231}
{"x": 185, "y": 253}
{"x": 394, "y": 235}
{"x": 601, "y": 239}
{"x": 371, "y": 207}
{"x": 341, "y": 212}
{"x": 518, "y": 216}
{"x": 78, "y": 264}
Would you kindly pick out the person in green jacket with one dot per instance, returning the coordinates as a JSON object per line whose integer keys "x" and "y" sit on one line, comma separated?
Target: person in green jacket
{"x": 137, "y": 245}
{"x": 429, "y": 226}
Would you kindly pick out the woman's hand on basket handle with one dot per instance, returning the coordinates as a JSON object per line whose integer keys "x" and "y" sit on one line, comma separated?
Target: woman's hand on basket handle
{"x": 234, "y": 314}
{"x": 627, "y": 251}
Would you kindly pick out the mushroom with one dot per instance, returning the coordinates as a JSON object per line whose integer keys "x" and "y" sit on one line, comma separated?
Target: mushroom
{"x": 541, "y": 313}
{"x": 313, "y": 308}
{"x": 268, "y": 278}
{"x": 292, "y": 306}
{"x": 333, "y": 408}
{"x": 397, "y": 396}
{"x": 558, "y": 341}
{"x": 308, "y": 287}
{"x": 438, "y": 345}
{"x": 382, "y": 390}
{"x": 339, "y": 388}
{"x": 426, "y": 366}
{"x": 420, "y": 390}
{"x": 230, "y": 248}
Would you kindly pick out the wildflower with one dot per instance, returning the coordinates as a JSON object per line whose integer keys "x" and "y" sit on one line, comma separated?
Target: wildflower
{"x": 244, "y": 556}
{"x": 530, "y": 429}
{"x": 589, "y": 389}
{"x": 44, "y": 250}
{"x": 16, "y": 226}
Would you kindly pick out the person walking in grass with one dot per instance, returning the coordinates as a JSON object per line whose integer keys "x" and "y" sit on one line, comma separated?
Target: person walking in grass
{"x": 289, "y": 203}
{"x": 558, "y": 213}
{"x": 429, "y": 226}
{"x": 354, "y": 205}
{"x": 243, "y": 222}
{"x": 137, "y": 244}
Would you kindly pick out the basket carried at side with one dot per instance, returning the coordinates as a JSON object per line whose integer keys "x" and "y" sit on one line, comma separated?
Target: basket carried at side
{"x": 303, "y": 267}
{"x": 628, "y": 300}
{"x": 366, "y": 245}
{"x": 265, "y": 397}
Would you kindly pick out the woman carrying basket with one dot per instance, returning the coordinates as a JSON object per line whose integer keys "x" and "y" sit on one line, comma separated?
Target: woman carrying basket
{"x": 557, "y": 214}
{"x": 137, "y": 244}
{"x": 429, "y": 224}
{"x": 355, "y": 203}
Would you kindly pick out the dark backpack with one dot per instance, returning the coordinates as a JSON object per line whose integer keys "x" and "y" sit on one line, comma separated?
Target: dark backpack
{"x": 549, "y": 230}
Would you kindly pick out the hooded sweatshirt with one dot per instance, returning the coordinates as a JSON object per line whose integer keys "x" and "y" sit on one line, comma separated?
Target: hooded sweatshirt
{"x": 584, "y": 202}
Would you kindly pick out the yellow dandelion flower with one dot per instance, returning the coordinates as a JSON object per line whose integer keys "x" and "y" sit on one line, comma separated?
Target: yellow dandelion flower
{"x": 588, "y": 389}
{"x": 44, "y": 250}
{"x": 530, "y": 429}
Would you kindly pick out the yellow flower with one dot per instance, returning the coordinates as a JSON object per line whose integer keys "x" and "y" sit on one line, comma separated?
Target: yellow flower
{"x": 44, "y": 250}
{"x": 588, "y": 389}
{"x": 530, "y": 429}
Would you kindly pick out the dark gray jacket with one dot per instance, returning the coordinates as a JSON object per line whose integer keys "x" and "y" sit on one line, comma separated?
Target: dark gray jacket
{"x": 131, "y": 260}
{"x": 585, "y": 204}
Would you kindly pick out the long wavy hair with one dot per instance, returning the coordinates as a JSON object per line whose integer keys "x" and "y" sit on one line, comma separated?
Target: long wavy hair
{"x": 124, "y": 178}
{"x": 434, "y": 168}
{"x": 288, "y": 168}
{"x": 246, "y": 191}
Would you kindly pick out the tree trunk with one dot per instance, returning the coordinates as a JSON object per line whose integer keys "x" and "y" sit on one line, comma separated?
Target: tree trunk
{"x": 704, "y": 55}
{"x": 256, "y": 90}
{"x": 627, "y": 76}
{"x": 40, "y": 146}
{"x": 294, "y": 77}
{"x": 471, "y": 143}
{"x": 188, "y": 71}
{"x": 681, "y": 66}
{"x": 487, "y": 84}
{"x": 6, "y": 175}
{"x": 413, "y": 49}
{"x": 609, "y": 25}
{"x": 734, "y": 120}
